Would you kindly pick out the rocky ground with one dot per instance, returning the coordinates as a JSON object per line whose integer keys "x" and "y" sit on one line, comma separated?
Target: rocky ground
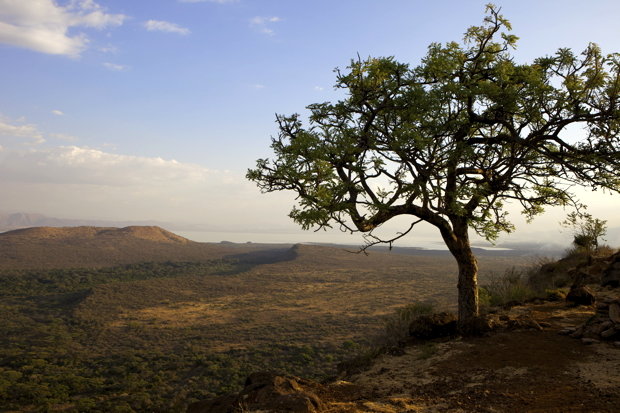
{"x": 541, "y": 357}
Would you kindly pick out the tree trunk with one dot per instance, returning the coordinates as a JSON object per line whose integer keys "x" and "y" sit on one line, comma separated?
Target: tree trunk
{"x": 468, "y": 290}
{"x": 458, "y": 244}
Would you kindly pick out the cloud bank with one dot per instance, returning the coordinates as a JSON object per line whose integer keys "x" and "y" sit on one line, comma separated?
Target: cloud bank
{"x": 44, "y": 25}
{"x": 73, "y": 181}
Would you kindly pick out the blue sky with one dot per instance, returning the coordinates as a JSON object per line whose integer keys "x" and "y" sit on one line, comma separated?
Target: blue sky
{"x": 155, "y": 109}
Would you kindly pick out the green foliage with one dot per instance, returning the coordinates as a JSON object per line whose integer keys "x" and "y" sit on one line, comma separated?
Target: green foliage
{"x": 451, "y": 138}
{"x": 60, "y": 281}
{"x": 58, "y": 351}
{"x": 484, "y": 297}
{"x": 587, "y": 230}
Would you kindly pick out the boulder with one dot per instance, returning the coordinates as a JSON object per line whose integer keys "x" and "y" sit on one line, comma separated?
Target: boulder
{"x": 266, "y": 392}
{"x": 437, "y": 325}
{"x": 610, "y": 334}
{"x": 580, "y": 296}
{"x": 614, "y": 312}
{"x": 611, "y": 275}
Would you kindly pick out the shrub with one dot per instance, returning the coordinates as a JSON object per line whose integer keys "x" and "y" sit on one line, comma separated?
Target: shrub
{"x": 397, "y": 325}
{"x": 507, "y": 288}
{"x": 484, "y": 297}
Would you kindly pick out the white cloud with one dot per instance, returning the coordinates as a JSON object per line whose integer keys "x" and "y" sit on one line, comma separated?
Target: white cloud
{"x": 29, "y": 132}
{"x": 43, "y": 25}
{"x": 319, "y": 88}
{"x": 57, "y": 112}
{"x": 258, "y": 86}
{"x": 115, "y": 67}
{"x": 163, "y": 26}
{"x": 81, "y": 165}
{"x": 262, "y": 24}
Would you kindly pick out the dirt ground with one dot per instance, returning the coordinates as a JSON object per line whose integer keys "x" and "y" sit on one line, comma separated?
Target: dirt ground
{"x": 526, "y": 370}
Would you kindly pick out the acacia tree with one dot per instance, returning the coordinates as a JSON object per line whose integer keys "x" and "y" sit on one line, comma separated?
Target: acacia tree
{"x": 587, "y": 230}
{"x": 450, "y": 141}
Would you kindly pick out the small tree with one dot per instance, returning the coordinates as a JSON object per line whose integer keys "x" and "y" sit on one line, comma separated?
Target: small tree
{"x": 587, "y": 230}
{"x": 450, "y": 141}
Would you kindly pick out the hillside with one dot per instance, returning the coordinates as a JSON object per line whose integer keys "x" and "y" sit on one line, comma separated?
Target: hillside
{"x": 19, "y": 220}
{"x": 87, "y": 247}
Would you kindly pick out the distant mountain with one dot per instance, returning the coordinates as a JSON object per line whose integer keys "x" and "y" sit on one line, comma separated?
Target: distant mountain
{"x": 88, "y": 246}
{"x": 25, "y": 220}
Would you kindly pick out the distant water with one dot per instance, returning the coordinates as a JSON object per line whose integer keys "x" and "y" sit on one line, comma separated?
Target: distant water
{"x": 306, "y": 237}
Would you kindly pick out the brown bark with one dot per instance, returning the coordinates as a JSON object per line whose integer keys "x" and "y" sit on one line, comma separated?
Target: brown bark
{"x": 468, "y": 305}
{"x": 467, "y": 289}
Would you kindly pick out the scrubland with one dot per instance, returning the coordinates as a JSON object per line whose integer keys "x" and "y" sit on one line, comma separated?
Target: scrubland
{"x": 157, "y": 336}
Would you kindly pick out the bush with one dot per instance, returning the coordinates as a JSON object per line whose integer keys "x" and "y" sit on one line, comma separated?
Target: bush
{"x": 511, "y": 287}
{"x": 397, "y": 325}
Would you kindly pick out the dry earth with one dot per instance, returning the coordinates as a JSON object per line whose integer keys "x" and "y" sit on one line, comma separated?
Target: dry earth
{"x": 526, "y": 370}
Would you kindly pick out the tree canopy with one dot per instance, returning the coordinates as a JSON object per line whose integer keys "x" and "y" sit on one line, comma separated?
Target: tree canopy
{"x": 451, "y": 141}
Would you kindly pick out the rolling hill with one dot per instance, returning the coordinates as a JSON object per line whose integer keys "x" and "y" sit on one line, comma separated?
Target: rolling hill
{"x": 90, "y": 247}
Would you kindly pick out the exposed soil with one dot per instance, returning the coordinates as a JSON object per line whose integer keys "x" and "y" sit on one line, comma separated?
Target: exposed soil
{"x": 525, "y": 370}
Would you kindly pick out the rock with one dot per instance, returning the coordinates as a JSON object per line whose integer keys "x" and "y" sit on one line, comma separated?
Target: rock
{"x": 602, "y": 308}
{"x": 222, "y": 404}
{"x": 591, "y": 330}
{"x": 614, "y": 312}
{"x": 617, "y": 344}
{"x": 589, "y": 341}
{"x": 611, "y": 276}
{"x": 266, "y": 391}
{"x": 433, "y": 326}
{"x": 604, "y": 326}
{"x": 578, "y": 333}
{"x": 567, "y": 331}
{"x": 580, "y": 296}
{"x": 609, "y": 333}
